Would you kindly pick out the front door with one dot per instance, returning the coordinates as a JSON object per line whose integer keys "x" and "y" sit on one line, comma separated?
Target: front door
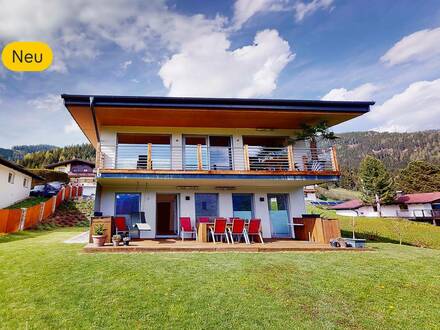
{"x": 279, "y": 215}
{"x": 166, "y": 215}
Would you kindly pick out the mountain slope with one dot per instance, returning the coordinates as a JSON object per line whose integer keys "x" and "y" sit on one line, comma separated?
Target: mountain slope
{"x": 394, "y": 149}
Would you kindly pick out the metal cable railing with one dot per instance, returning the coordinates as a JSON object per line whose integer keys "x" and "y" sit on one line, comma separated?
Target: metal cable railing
{"x": 203, "y": 158}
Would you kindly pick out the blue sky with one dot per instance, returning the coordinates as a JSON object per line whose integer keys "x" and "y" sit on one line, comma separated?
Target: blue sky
{"x": 386, "y": 51}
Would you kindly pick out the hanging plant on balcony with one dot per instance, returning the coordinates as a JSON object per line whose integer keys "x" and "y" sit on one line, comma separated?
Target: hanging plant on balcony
{"x": 313, "y": 134}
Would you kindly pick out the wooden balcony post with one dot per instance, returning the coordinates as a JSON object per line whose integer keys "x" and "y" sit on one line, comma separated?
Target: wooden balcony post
{"x": 335, "y": 159}
{"x": 149, "y": 160}
{"x": 199, "y": 157}
{"x": 247, "y": 166}
{"x": 290, "y": 157}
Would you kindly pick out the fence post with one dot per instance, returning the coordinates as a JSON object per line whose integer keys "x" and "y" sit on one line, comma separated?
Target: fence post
{"x": 63, "y": 193}
{"x": 22, "y": 218}
{"x": 54, "y": 203}
{"x": 40, "y": 218}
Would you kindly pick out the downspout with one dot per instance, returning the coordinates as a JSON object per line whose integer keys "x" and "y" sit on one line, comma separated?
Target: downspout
{"x": 92, "y": 109}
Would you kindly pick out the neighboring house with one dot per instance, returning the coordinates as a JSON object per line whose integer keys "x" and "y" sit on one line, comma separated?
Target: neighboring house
{"x": 15, "y": 183}
{"x": 412, "y": 206}
{"x": 193, "y": 157}
{"x": 79, "y": 171}
{"x": 310, "y": 193}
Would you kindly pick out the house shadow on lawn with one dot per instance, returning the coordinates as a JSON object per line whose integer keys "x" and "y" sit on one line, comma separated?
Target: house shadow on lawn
{"x": 371, "y": 237}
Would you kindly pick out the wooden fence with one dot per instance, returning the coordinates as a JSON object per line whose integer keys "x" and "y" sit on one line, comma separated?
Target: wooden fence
{"x": 12, "y": 220}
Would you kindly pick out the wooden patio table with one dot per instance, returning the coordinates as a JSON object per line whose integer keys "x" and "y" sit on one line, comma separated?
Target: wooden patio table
{"x": 203, "y": 230}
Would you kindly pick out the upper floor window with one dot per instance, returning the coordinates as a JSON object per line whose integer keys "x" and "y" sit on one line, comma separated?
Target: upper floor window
{"x": 11, "y": 177}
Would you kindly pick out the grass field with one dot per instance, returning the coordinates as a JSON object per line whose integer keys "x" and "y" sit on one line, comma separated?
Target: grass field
{"x": 31, "y": 201}
{"x": 46, "y": 284}
{"x": 385, "y": 230}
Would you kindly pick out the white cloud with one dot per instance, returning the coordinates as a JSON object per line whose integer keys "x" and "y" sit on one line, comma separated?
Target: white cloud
{"x": 49, "y": 102}
{"x": 72, "y": 127}
{"x": 78, "y": 29}
{"x": 364, "y": 92}
{"x": 303, "y": 9}
{"x": 207, "y": 67}
{"x": 126, "y": 64}
{"x": 416, "y": 108}
{"x": 417, "y": 47}
{"x": 245, "y": 9}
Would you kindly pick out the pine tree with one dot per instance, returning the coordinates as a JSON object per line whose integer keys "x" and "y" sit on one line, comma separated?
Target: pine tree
{"x": 375, "y": 180}
{"x": 419, "y": 176}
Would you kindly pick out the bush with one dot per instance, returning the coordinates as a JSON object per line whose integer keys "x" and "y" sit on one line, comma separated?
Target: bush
{"x": 49, "y": 176}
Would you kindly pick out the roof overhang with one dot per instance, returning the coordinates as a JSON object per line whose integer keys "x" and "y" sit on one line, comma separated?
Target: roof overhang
{"x": 94, "y": 111}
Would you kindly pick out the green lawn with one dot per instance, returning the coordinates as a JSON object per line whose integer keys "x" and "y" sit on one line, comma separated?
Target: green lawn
{"x": 384, "y": 229}
{"x": 46, "y": 284}
{"x": 31, "y": 201}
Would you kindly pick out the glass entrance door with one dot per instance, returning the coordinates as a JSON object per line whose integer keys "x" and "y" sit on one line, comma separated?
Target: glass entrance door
{"x": 279, "y": 215}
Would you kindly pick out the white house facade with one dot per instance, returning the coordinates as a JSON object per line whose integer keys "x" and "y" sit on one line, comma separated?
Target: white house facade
{"x": 15, "y": 183}
{"x": 195, "y": 157}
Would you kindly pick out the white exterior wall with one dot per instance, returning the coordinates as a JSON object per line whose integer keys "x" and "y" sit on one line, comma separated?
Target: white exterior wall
{"x": 186, "y": 208}
{"x": 387, "y": 210}
{"x": 15, "y": 192}
{"x": 62, "y": 168}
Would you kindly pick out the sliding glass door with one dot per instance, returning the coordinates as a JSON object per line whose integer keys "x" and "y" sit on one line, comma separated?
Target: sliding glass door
{"x": 279, "y": 215}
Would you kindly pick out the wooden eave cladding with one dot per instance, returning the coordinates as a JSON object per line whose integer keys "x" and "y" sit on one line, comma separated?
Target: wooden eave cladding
{"x": 245, "y": 118}
{"x": 220, "y": 172}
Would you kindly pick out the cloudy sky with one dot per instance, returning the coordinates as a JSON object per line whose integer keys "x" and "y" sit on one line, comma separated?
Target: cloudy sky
{"x": 386, "y": 51}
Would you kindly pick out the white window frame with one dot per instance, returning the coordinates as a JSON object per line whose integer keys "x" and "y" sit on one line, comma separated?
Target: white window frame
{"x": 25, "y": 182}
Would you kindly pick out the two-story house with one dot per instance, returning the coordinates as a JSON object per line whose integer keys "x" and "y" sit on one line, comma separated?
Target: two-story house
{"x": 194, "y": 157}
{"x": 79, "y": 171}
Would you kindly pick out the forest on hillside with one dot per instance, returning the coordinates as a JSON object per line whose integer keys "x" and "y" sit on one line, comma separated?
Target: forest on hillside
{"x": 42, "y": 158}
{"x": 395, "y": 150}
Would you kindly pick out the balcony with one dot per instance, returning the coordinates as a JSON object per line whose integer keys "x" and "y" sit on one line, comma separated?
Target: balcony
{"x": 200, "y": 158}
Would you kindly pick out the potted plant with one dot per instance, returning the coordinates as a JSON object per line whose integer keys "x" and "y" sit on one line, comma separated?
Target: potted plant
{"x": 98, "y": 235}
{"x": 116, "y": 239}
{"x": 126, "y": 240}
{"x": 313, "y": 134}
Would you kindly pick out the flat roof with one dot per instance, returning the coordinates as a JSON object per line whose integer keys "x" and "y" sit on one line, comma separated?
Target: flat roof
{"x": 94, "y": 111}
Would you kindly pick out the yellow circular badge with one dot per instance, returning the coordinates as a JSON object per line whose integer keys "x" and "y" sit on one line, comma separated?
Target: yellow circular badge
{"x": 27, "y": 56}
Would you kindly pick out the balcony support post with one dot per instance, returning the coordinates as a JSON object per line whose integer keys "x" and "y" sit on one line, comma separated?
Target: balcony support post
{"x": 199, "y": 157}
{"x": 334, "y": 159}
{"x": 290, "y": 157}
{"x": 247, "y": 166}
{"x": 149, "y": 160}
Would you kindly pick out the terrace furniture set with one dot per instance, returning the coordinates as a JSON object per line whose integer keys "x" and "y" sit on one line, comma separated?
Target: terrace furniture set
{"x": 231, "y": 231}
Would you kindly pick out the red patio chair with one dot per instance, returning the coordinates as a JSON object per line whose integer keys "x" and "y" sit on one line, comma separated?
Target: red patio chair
{"x": 254, "y": 229}
{"x": 121, "y": 226}
{"x": 219, "y": 229}
{"x": 203, "y": 219}
{"x": 238, "y": 229}
{"x": 186, "y": 228}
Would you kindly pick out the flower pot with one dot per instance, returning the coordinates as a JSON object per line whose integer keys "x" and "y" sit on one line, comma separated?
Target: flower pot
{"x": 126, "y": 243}
{"x": 115, "y": 243}
{"x": 98, "y": 240}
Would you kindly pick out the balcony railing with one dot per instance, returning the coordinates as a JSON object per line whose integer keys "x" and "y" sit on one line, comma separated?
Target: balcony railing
{"x": 419, "y": 213}
{"x": 204, "y": 158}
